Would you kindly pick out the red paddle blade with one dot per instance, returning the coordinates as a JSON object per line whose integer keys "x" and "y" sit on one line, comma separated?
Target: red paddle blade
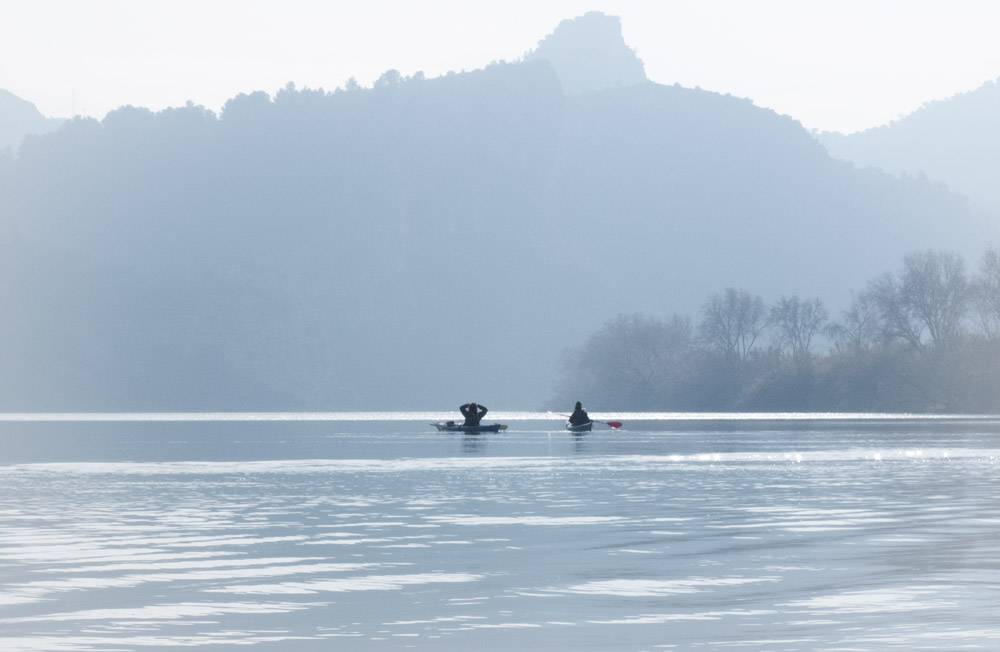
{"x": 615, "y": 425}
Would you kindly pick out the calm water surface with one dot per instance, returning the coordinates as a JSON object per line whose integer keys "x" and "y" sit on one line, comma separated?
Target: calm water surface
{"x": 854, "y": 534}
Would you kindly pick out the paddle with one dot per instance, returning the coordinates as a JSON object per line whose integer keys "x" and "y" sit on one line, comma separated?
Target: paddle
{"x": 614, "y": 425}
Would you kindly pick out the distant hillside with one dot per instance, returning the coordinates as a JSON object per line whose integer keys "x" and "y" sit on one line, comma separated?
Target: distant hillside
{"x": 415, "y": 245}
{"x": 20, "y": 118}
{"x": 589, "y": 54}
{"x": 956, "y": 141}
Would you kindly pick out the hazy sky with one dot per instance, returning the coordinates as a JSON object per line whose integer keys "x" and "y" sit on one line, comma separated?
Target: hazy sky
{"x": 841, "y": 65}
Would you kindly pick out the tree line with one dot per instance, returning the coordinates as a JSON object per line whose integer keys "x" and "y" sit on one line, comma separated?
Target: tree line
{"x": 923, "y": 338}
{"x": 309, "y": 249}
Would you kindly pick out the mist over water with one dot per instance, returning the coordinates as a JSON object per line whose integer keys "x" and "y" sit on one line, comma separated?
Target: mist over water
{"x": 784, "y": 534}
{"x": 180, "y": 284}
{"x": 426, "y": 237}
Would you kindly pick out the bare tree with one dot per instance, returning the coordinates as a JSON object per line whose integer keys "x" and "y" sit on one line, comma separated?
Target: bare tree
{"x": 896, "y": 319}
{"x": 927, "y": 301}
{"x": 860, "y": 327}
{"x": 797, "y": 322}
{"x": 631, "y": 359}
{"x": 986, "y": 294}
{"x": 732, "y": 322}
{"x": 937, "y": 290}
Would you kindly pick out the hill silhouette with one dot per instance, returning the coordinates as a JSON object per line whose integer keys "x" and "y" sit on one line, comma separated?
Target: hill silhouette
{"x": 20, "y": 118}
{"x": 418, "y": 244}
{"x": 588, "y": 53}
{"x": 955, "y": 141}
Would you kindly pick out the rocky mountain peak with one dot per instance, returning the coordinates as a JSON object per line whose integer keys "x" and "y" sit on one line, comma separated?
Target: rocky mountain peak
{"x": 589, "y": 54}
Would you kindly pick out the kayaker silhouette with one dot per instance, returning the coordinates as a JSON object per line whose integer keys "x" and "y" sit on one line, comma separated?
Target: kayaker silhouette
{"x": 579, "y": 416}
{"x": 473, "y": 414}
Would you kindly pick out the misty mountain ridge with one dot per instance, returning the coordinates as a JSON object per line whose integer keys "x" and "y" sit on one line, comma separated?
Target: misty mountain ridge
{"x": 422, "y": 242}
{"x": 20, "y": 118}
{"x": 588, "y": 53}
{"x": 954, "y": 140}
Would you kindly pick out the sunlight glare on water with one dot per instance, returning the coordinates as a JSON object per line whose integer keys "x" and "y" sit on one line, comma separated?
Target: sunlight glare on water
{"x": 764, "y": 533}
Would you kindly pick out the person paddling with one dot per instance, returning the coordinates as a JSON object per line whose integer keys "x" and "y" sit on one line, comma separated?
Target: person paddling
{"x": 473, "y": 414}
{"x": 579, "y": 416}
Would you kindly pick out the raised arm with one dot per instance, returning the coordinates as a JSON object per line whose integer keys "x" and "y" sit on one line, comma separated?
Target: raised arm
{"x": 483, "y": 410}
{"x": 464, "y": 409}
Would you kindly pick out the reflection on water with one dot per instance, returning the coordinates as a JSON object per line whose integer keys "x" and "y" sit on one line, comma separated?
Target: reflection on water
{"x": 472, "y": 444}
{"x": 382, "y": 535}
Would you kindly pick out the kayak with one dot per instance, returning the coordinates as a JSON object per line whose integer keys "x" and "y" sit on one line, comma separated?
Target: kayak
{"x": 469, "y": 430}
{"x": 580, "y": 427}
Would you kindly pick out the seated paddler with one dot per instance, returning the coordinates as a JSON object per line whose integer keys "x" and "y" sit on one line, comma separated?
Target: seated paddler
{"x": 473, "y": 414}
{"x": 579, "y": 416}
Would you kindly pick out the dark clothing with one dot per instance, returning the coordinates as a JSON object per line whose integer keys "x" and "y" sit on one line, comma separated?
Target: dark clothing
{"x": 473, "y": 413}
{"x": 579, "y": 417}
